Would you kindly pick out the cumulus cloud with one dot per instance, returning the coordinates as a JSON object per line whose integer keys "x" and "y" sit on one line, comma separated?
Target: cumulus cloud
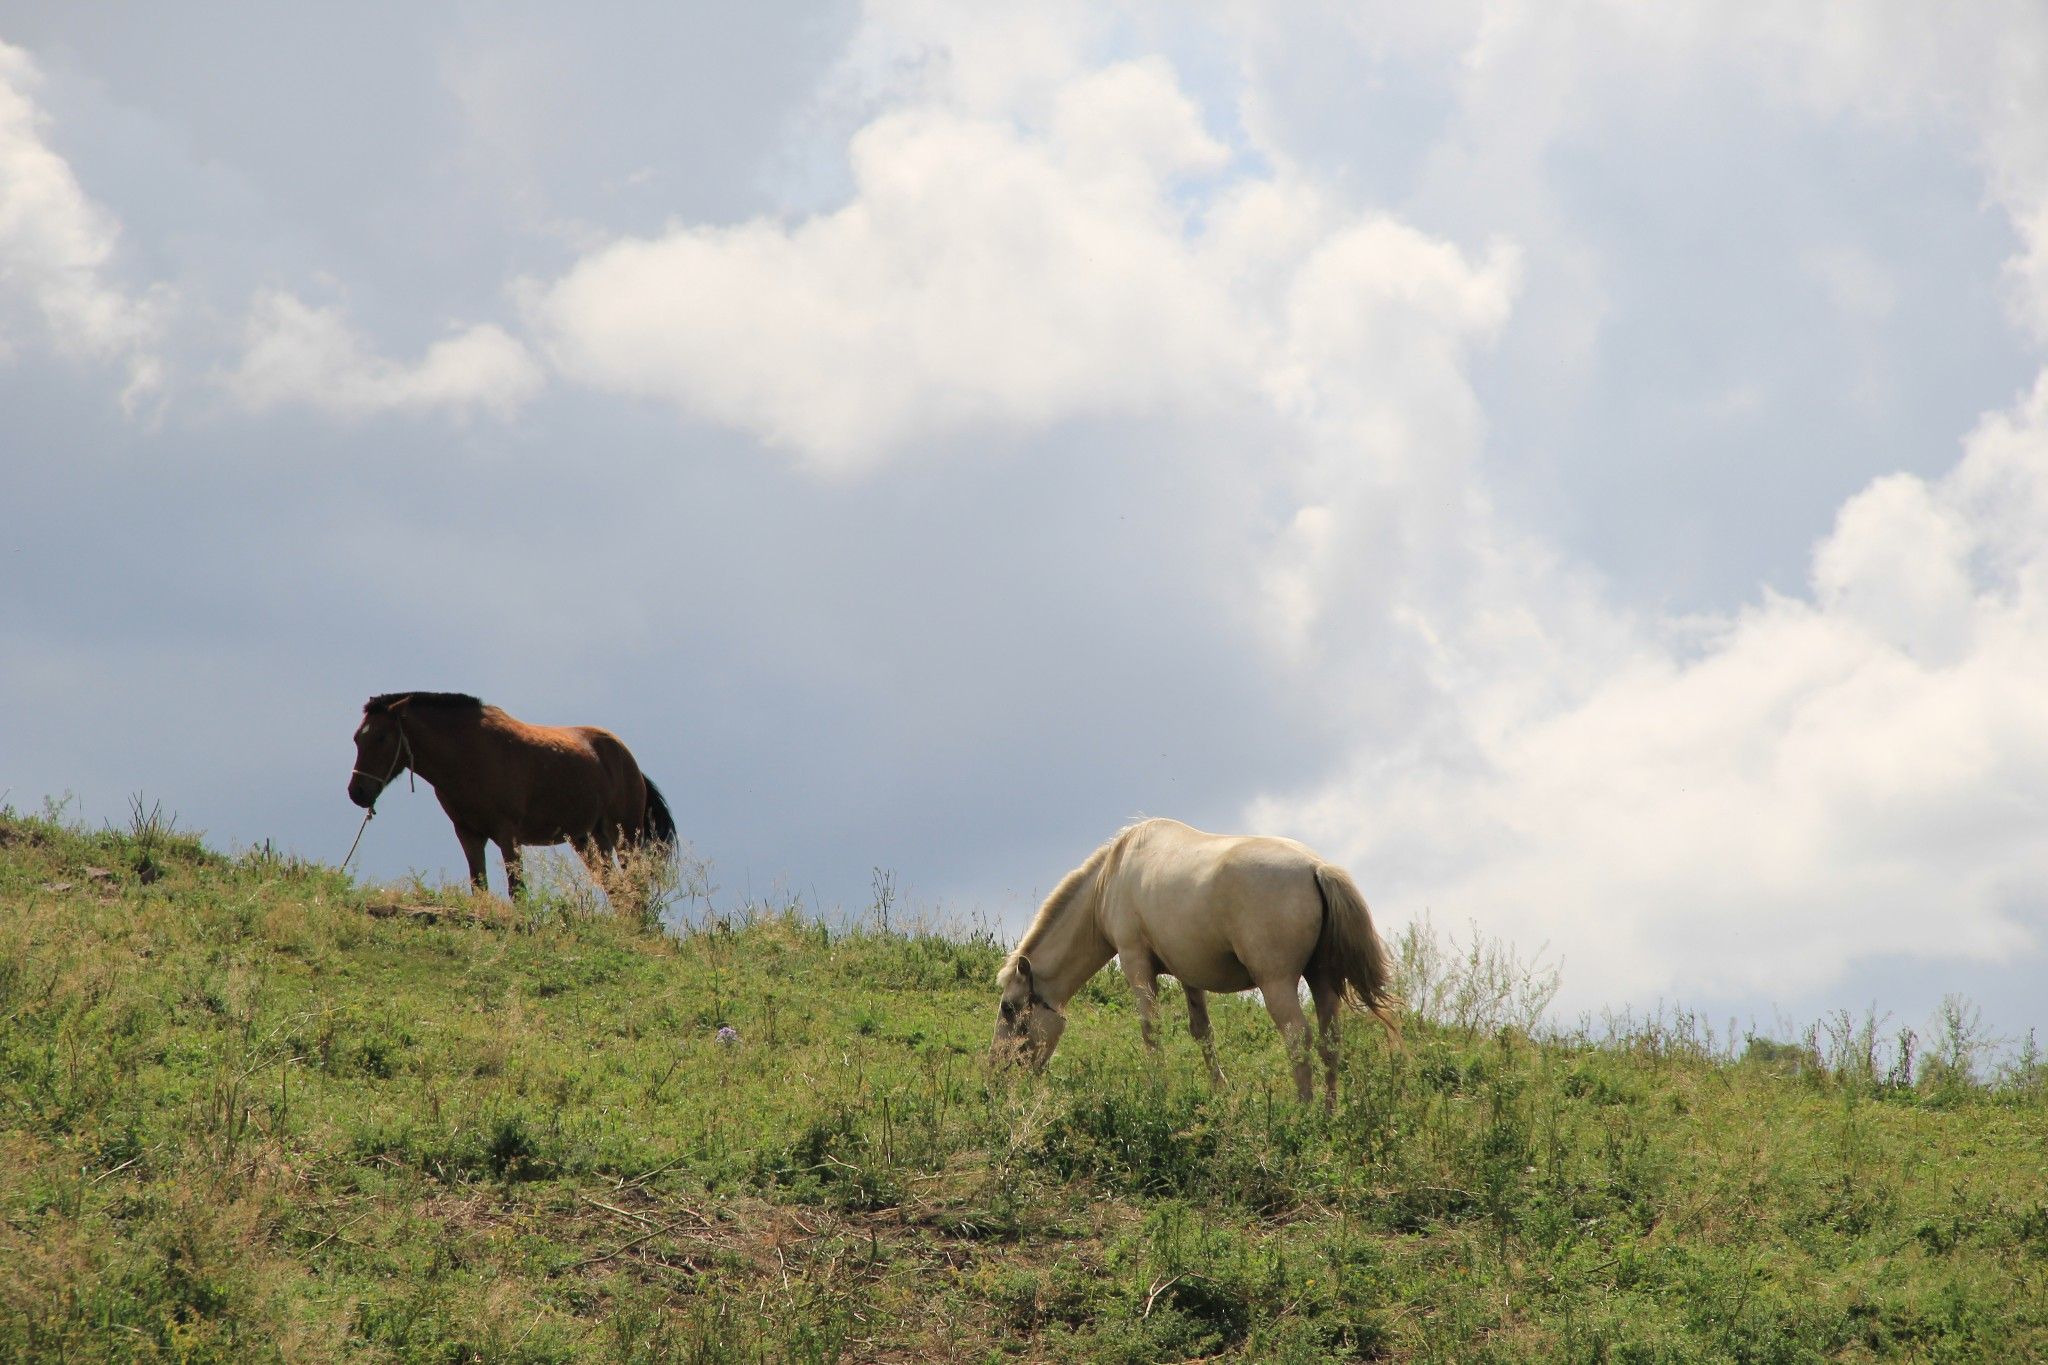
{"x": 59, "y": 284}
{"x": 1087, "y": 248}
{"x": 1044, "y": 225}
{"x": 57, "y": 248}
{"x": 1740, "y": 803}
{"x": 1744, "y": 804}
{"x": 1530, "y": 82}
{"x": 299, "y": 354}
{"x": 1809, "y": 782}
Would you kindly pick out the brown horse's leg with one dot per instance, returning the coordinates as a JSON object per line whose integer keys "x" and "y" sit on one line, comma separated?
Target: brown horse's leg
{"x": 1329, "y": 1035}
{"x": 1284, "y": 1003}
{"x": 601, "y": 855}
{"x": 1143, "y": 973}
{"x": 515, "y": 880}
{"x": 1198, "y": 1024}
{"x": 596, "y": 860}
{"x": 473, "y": 850}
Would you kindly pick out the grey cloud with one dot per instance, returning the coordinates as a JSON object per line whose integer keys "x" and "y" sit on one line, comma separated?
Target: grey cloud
{"x": 972, "y": 665}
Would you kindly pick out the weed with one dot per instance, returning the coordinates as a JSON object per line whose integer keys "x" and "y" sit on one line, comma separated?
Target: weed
{"x": 1481, "y": 986}
{"x": 148, "y": 830}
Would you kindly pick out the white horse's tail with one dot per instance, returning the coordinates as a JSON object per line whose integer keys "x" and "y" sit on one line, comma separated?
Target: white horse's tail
{"x": 1349, "y": 953}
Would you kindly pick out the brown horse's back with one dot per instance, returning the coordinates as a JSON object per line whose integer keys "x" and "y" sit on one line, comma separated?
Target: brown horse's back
{"x": 625, "y": 797}
{"x": 554, "y": 782}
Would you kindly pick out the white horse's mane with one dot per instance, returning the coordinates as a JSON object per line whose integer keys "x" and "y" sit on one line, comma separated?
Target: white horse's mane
{"x": 1063, "y": 897}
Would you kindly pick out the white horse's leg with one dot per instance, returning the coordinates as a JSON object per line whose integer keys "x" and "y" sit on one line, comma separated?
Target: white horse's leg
{"x": 1143, "y": 973}
{"x": 1283, "y": 1002}
{"x": 1198, "y": 1024}
{"x": 1329, "y": 1034}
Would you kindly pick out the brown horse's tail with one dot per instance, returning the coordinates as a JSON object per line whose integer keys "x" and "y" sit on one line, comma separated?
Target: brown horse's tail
{"x": 657, "y": 826}
{"x": 1349, "y": 953}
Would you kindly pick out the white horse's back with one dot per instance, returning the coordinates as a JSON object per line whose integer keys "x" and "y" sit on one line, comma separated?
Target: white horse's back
{"x": 1218, "y": 912}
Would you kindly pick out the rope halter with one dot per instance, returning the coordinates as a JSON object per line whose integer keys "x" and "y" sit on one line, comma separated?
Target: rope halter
{"x": 402, "y": 759}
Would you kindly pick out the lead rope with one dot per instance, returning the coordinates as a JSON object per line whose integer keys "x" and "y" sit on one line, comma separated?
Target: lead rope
{"x": 358, "y": 839}
{"x": 403, "y": 758}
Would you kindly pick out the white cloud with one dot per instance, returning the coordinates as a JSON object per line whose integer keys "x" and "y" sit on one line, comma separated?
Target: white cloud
{"x": 1902, "y": 61}
{"x": 1745, "y": 804}
{"x": 300, "y": 354}
{"x": 58, "y": 280}
{"x": 1533, "y": 79}
{"x": 1012, "y": 269}
{"x": 1045, "y": 226}
{"x": 1862, "y": 773}
{"x": 1898, "y": 565}
{"x": 2027, "y": 272}
{"x": 1736, "y": 804}
{"x": 1856, "y": 282}
{"x": 57, "y": 248}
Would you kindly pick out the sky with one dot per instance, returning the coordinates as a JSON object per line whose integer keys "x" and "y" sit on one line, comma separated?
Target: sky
{"x": 1583, "y": 468}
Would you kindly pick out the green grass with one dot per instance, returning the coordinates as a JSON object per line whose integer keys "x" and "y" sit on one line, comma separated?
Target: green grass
{"x": 246, "y": 1113}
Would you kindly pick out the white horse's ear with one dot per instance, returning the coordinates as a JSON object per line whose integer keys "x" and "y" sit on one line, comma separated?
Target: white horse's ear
{"x": 1017, "y": 988}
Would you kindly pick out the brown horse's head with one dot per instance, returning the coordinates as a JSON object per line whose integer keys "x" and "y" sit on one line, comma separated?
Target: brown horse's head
{"x": 382, "y": 750}
{"x": 1028, "y": 1028}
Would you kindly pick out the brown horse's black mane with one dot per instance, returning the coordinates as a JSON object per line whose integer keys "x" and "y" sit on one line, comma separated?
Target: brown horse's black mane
{"x": 447, "y": 701}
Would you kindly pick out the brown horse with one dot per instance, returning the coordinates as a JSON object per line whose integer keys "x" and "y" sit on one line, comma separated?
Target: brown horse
{"x": 506, "y": 782}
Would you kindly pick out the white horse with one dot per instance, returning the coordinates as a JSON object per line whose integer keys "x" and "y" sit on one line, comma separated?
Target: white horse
{"x": 1218, "y": 913}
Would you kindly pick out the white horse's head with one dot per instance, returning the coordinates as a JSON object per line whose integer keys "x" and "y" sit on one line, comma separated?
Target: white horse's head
{"x": 1027, "y": 1027}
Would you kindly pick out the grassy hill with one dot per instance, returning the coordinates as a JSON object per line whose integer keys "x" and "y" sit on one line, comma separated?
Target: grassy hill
{"x": 252, "y": 1110}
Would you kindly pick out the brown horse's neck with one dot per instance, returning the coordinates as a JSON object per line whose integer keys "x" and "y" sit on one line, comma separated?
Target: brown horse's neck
{"x": 1065, "y": 942}
{"x": 438, "y": 740}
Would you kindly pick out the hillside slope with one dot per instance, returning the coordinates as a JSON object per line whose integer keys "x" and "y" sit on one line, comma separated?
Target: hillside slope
{"x": 251, "y": 1110}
